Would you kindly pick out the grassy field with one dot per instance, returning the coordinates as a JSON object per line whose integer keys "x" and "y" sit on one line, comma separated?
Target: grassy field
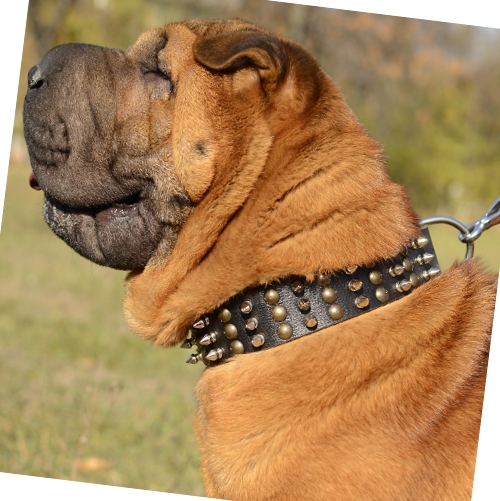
{"x": 82, "y": 397}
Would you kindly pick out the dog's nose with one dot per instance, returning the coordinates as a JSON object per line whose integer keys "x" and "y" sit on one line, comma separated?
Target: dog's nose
{"x": 35, "y": 78}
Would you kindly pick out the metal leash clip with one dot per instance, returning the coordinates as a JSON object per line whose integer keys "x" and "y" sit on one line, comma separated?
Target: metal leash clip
{"x": 470, "y": 233}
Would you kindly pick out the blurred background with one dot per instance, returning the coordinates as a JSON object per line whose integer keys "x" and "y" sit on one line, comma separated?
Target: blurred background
{"x": 81, "y": 397}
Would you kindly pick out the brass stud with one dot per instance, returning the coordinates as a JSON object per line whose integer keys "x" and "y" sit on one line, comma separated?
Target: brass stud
{"x": 209, "y": 338}
{"x": 355, "y": 285}
{"x": 431, "y": 273}
{"x": 297, "y": 287}
{"x": 370, "y": 265}
{"x": 194, "y": 358}
{"x": 271, "y": 296}
{"x": 224, "y": 315}
{"x": 279, "y": 313}
{"x": 403, "y": 286}
{"x": 323, "y": 279}
{"x": 237, "y": 347}
{"x": 257, "y": 340}
{"x": 425, "y": 258}
{"x": 246, "y": 307}
{"x": 361, "y": 302}
{"x": 382, "y": 294}
{"x": 350, "y": 270}
{"x": 375, "y": 277}
{"x": 304, "y": 304}
{"x": 329, "y": 294}
{"x": 396, "y": 270}
{"x": 415, "y": 282}
{"x": 284, "y": 331}
{"x": 230, "y": 331}
{"x": 311, "y": 321}
{"x": 214, "y": 355}
{"x": 251, "y": 324}
{"x": 336, "y": 311}
{"x": 407, "y": 265}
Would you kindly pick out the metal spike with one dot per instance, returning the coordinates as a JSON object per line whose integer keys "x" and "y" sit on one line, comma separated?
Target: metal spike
{"x": 431, "y": 273}
{"x": 419, "y": 242}
{"x": 403, "y": 286}
{"x": 209, "y": 338}
{"x": 201, "y": 323}
{"x": 194, "y": 358}
{"x": 425, "y": 258}
{"x": 187, "y": 343}
{"x": 246, "y": 307}
{"x": 355, "y": 285}
{"x": 396, "y": 270}
{"x": 257, "y": 340}
{"x": 350, "y": 270}
{"x": 214, "y": 355}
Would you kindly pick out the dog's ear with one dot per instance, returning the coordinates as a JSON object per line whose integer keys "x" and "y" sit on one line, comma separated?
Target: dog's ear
{"x": 234, "y": 50}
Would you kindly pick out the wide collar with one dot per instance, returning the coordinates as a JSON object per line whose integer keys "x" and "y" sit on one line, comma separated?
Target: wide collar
{"x": 267, "y": 316}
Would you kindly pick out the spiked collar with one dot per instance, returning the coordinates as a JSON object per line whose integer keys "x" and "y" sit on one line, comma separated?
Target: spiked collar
{"x": 268, "y": 316}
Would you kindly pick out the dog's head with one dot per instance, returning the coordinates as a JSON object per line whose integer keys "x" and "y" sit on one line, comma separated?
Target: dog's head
{"x": 206, "y": 157}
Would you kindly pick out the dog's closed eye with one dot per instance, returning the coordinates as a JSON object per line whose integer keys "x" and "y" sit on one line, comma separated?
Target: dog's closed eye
{"x": 159, "y": 82}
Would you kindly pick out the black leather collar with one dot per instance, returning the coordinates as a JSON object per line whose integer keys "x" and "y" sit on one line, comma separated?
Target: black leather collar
{"x": 271, "y": 315}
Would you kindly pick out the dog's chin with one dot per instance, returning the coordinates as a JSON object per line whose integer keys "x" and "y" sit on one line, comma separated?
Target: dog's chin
{"x": 122, "y": 235}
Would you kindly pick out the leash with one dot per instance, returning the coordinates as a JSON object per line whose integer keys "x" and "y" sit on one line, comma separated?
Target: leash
{"x": 471, "y": 232}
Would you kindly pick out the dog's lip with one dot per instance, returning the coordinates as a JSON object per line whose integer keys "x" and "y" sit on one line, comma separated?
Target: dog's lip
{"x": 125, "y": 207}
{"x": 33, "y": 182}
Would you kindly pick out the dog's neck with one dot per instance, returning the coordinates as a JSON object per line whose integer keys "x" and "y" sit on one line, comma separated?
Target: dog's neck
{"x": 267, "y": 316}
{"x": 306, "y": 201}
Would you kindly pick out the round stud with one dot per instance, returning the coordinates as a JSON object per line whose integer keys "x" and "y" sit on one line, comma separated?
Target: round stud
{"x": 350, "y": 270}
{"x": 271, "y": 296}
{"x": 297, "y": 287}
{"x": 370, "y": 265}
{"x": 361, "y": 302}
{"x": 246, "y": 307}
{"x": 336, "y": 311}
{"x": 382, "y": 294}
{"x": 279, "y": 313}
{"x": 224, "y": 315}
{"x": 304, "y": 304}
{"x": 230, "y": 331}
{"x": 415, "y": 282}
{"x": 284, "y": 331}
{"x": 323, "y": 279}
{"x": 355, "y": 285}
{"x": 311, "y": 321}
{"x": 375, "y": 277}
{"x": 407, "y": 265}
{"x": 251, "y": 324}
{"x": 237, "y": 347}
{"x": 329, "y": 294}
{"x": 257, "y": 340}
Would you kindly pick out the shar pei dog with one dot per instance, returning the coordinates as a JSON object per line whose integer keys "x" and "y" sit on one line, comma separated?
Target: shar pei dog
{"x": 223, "y": 168}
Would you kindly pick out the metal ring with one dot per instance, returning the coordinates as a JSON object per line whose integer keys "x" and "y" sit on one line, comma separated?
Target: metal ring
{"x": 455, "y": 223}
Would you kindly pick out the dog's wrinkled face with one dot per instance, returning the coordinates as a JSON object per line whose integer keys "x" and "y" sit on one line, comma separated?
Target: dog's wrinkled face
{"x": 98, "y": 127}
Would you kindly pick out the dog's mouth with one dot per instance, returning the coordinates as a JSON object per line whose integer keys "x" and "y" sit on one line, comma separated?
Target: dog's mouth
{"x": 122, "y": 234}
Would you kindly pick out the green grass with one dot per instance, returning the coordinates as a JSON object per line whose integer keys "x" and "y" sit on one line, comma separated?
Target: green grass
{"x": 76, "y": 383}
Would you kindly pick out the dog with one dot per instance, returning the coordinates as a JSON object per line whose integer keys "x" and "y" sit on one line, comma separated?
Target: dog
{"x": 223, "y": 168}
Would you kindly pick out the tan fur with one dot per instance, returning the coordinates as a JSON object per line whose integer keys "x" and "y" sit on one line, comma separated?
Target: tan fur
{"x": 385, "y": 406}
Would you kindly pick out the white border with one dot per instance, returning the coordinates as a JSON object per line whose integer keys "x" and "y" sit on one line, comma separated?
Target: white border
{"x": 479, "y": 13}
{"x": 12, "y": 26}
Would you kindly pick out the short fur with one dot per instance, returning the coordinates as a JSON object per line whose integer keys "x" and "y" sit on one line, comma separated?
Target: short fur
{"x": 277, "y": 178}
